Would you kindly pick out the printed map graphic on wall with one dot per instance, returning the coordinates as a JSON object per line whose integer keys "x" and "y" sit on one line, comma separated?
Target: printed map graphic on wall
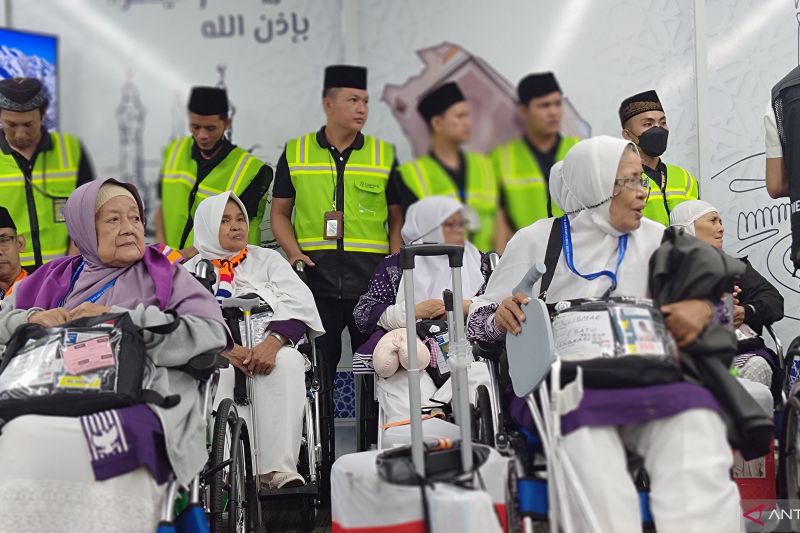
{"x": 492, "y": 100}
{"x": 31, "y": 55}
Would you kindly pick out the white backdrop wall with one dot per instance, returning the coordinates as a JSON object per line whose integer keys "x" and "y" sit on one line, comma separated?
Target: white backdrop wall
{"x": 127, "y": 65}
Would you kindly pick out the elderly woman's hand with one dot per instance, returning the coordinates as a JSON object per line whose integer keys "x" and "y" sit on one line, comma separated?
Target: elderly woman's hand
{"x": 509, "y": 314}
{"x": 50, "y": 318}
{"x": 88, "y": 309}
{"x": 264, "y": 355}
{"x": 239, "y": 356}
{"x": 686, "y": 320}
{"x": 428, "y": 309}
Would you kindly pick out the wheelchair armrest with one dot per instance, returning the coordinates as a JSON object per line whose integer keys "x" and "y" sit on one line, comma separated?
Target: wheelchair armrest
{"x": 778, "y": 345}
{"x": 488, "y": 350}
{"x": 200, "y": 367}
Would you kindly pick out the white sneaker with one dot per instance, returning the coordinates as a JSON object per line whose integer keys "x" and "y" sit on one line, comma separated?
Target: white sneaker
{"x": 285, "y": 480}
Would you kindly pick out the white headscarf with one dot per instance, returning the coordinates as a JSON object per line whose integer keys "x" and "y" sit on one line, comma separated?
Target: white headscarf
{"x": 582, "y": 185}
{"x": 432, "y": 275}
{"x": 685, "y": 214}
{"x": 207, "y": 219}
{"x": 265, "y": 272}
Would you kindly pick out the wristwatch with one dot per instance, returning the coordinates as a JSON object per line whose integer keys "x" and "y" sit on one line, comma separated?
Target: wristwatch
{"x": 277, "y": 335}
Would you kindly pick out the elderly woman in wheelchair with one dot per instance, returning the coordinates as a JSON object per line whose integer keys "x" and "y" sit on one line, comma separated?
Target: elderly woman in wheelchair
{"x": 676, "y": 427}
{"x": 105, "y": 470}
{"x": 381, "y": 311}
{"x": 275, "y": 365}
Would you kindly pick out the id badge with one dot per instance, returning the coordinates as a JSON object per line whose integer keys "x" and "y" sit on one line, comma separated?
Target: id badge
{"x": 58, "y": 209}
{"x": 334, "y": 226}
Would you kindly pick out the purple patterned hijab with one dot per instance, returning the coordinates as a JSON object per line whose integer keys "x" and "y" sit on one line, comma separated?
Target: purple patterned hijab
{"x": 153, "y": 280}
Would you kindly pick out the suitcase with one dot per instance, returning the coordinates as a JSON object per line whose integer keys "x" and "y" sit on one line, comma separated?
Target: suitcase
{"x": 432, "y": 485}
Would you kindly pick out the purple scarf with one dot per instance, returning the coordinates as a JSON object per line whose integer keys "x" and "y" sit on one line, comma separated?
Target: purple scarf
{"x": 153, "y": 280}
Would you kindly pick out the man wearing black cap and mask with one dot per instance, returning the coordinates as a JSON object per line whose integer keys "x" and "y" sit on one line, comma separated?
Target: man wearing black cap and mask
{"x": 523, "y": 165}
{"x": 343, "y": 188}
{"x": 645, "y": 124}
{"x": 205, "y": 164}
{"x": 447, "y": 170}
{"x": 11, "y": 245}
{"x": 40, "y": 170}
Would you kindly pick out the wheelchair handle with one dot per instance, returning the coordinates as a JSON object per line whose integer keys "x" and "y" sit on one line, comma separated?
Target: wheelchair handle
{"x": 245, "y": 304}
{"x": 409, "y": 252}
{"x": 529, "y": 280}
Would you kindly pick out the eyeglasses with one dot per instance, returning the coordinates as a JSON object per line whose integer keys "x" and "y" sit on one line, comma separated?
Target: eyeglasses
{"x": 455, "y": 225}
{"x": 633, "y": 183}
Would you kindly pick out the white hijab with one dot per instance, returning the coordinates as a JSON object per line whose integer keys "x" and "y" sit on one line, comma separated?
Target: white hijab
{"x": 685, "y": 214}
{"x": 582, "y": 184}
{"x": 264, "y": 272}
{"x": 432, "y": 275}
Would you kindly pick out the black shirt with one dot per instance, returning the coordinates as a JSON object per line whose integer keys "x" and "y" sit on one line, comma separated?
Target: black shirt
{"x": 338, "y": 274}
{"x": 656, "y": 174}
{"x": 252, "y": 194}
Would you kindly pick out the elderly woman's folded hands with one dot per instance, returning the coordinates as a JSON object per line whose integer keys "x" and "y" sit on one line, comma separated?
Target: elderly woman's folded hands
{"x": 57, "y": 316}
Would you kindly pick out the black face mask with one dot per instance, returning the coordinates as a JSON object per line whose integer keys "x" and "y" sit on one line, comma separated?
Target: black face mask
{"x": 653, "y": 142}
{"x": 209, "y": 153}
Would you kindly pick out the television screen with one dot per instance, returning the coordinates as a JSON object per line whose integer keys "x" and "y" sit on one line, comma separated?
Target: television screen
{"x": 34, "y": 55}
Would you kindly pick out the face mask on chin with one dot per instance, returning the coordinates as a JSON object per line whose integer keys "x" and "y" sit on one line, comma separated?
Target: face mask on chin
{"x": 653, "y": 142}
{"x": 213, "y": 149}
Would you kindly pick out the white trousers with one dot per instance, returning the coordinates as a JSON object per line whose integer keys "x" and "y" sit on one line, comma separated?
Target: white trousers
{"x": 392, "y": 392}
{"x": 688, "y": 460}
{"x": 47, "y": 484}
{"x": 280, "y": 402}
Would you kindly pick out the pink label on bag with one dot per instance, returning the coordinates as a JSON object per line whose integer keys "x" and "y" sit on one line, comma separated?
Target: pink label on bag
{"x": 89, "y": 355}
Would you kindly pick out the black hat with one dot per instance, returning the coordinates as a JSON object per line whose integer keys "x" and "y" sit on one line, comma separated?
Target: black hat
{"x": 439, "y": 100}
{"x": 22, "y": 94}
{"x": 5, "y": 219}
{"x": 639, "y": 103}
{"x": 345, "y": 76}
{"x": 208, "y": 101}
{"x": 536, "y": 85}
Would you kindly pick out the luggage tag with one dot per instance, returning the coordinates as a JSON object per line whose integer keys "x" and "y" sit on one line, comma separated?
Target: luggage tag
{"x": 334, "y": 226}
{"x": 90, "y": 355}
{"x": 58, "y": 209}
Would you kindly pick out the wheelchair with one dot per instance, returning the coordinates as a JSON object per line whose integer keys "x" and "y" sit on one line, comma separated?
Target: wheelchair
{"x": 315, "y": 458}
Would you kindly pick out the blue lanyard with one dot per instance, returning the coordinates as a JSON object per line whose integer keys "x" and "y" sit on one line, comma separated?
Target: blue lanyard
{"x": 566, "y": 245}
{"x": 94, "y": 297}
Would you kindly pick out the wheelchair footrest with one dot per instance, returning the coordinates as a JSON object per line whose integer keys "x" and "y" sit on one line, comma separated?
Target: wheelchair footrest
{"x": 309, "y": 489}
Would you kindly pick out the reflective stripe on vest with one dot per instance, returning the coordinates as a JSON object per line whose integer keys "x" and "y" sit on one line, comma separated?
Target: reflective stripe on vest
{"x": 680, "y": 186}
{"x": 179, "y": 176}
{"x": 55, "y": 173}
{"x": 366, "y": 175}
{"x": 425, "y": 177}
{"x": 524, "y": 184}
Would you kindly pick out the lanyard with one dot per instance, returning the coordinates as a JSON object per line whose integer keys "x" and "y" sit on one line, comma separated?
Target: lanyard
{"x": 566, "y": 239}
{"x": 94, "y": 297}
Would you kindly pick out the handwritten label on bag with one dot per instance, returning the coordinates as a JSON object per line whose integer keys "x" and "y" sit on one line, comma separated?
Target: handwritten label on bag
{"x": 583, "y": 335}
{"x": 90, "y": 355}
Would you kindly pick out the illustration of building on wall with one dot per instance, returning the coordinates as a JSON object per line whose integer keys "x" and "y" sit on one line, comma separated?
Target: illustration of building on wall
{"x": 492, "y": 100}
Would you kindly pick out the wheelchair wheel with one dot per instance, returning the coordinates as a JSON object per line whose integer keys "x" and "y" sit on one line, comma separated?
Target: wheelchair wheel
{"x": 789, "y": 454}
{"x": 232, "y": 487}
{"x": 483, "y": 428}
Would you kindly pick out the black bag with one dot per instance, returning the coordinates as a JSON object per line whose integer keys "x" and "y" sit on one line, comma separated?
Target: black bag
{"x": 106, "y": 367}
{"x": 436, "y": 330}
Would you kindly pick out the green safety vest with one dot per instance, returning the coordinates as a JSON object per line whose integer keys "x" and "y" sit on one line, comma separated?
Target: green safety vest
{"x": 425, "y": 177}
{"x": 366, "y": 176}
{"x": 54, "y": 177}
{"x": 680, "y": 186}
{"x": 524, "y": 184}
{"x": 179, "y": 176}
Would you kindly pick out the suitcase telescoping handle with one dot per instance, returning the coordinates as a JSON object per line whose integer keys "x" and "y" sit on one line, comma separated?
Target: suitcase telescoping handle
{"x": 408, "y": 254}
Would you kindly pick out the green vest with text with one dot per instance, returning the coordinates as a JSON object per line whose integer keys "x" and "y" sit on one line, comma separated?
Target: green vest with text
{"x": 524, "y": 184}
{"x": 366, "y": 176}
{"x": 680, "y": 186}
{"x": 425, "y": 177}
{"x": 54, "y": 177}
{"x": 179, "y": 176}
